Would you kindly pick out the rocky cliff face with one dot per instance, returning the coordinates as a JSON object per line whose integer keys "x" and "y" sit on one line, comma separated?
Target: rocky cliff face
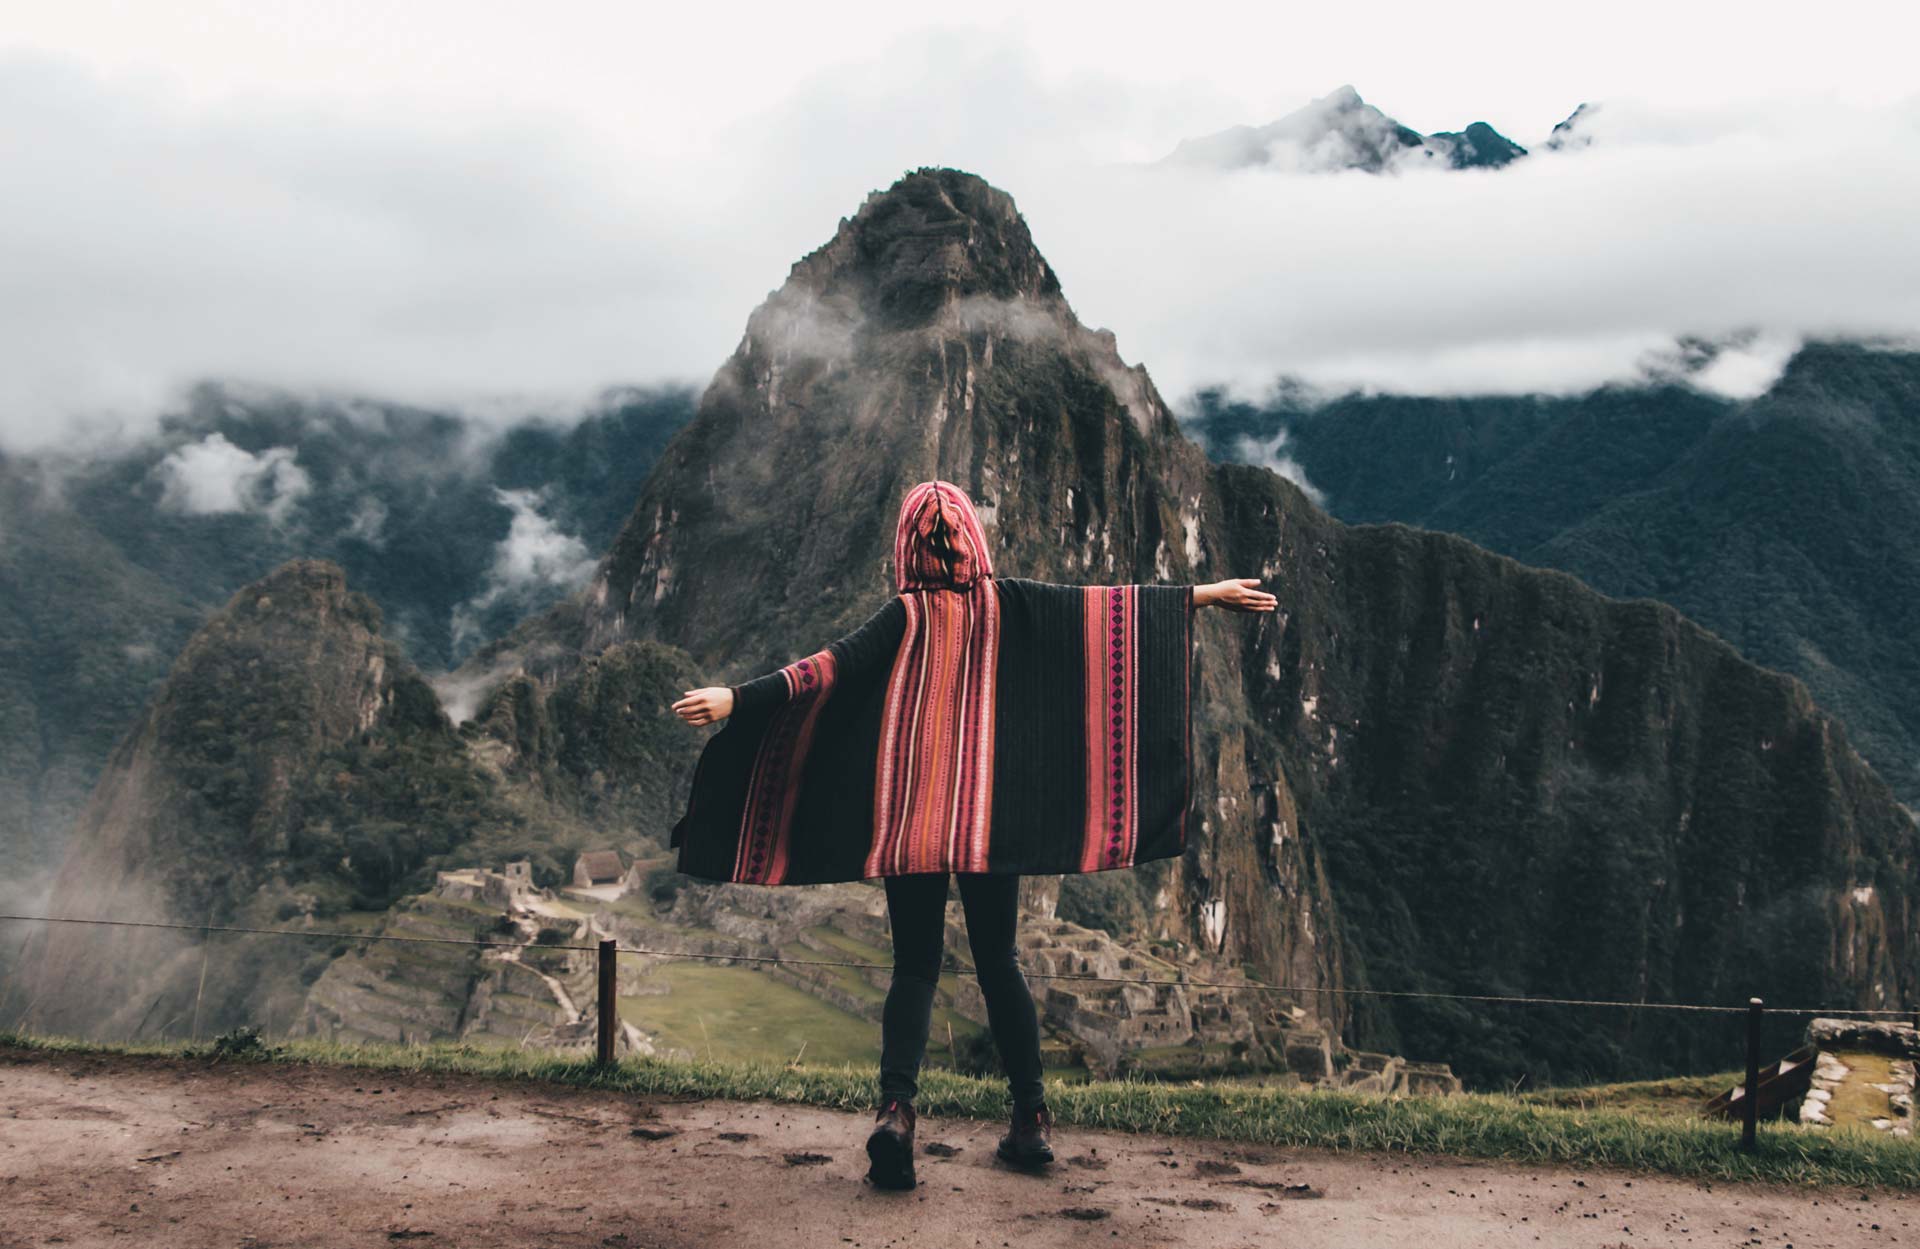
{"x": 1521, "y": 786}
{"x": 1781, "y": 522}
{"x": 1432, "y": 769}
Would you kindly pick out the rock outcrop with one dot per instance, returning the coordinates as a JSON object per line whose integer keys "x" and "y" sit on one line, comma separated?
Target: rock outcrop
{"x": 198, "y": 815}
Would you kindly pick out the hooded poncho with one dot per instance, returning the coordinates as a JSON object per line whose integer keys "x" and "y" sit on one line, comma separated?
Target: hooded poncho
{"x": 972, "y": 724}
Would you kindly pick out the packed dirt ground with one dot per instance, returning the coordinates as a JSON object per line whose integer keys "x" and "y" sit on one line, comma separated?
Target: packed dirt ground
{"x": 117, "y": 1150}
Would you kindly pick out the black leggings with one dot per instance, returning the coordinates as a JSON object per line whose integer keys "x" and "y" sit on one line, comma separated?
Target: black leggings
{"x": 917, "y": 910}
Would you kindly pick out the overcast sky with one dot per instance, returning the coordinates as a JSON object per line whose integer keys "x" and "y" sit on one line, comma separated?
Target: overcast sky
{"x": 508, "y": 206}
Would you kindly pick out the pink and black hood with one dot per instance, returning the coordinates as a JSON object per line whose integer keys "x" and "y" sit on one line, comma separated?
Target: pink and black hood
{"x": 938, "y": 543}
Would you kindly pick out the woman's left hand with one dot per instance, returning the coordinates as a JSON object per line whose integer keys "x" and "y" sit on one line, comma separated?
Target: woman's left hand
{"x": 704, "y": 706}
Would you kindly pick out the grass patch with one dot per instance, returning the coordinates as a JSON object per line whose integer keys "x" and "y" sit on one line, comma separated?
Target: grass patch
{"x": 630, "y": 906}
{"x": 481, "y": 910}
{"x": 949, "y": 1022}
{"x": 854, "y": 948}
{"x": 739, "y": 1014}
{"x": 580, "y": 911}
{"x": 1856, "y": 1101}
{"x": 1480, "y": 1125}
{"x": 1679, "y": 1097}
{"x": 353, "y": 921}
{"x": 849, "y": 979}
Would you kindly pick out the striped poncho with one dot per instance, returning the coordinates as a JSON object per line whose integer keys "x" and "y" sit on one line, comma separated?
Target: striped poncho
{"x": 972, "y": 724}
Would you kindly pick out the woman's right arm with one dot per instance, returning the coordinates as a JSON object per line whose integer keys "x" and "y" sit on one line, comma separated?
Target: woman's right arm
{"x": 872, "y": 643}
{"x": 716, "y": 702}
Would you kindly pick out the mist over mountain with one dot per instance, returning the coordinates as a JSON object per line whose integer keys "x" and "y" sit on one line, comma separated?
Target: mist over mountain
{"x": 455, "y": 529}
{"x": 1575, "y": 132}
{"x": 295, "y": 770}
{"x": 199, "y": 814}
{"x": 1340, "y": 131}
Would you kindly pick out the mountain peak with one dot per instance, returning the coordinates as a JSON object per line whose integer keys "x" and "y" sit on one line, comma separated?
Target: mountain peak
{"x": 937, "y": 235}
{"x": 310, "y": 591}
{"x": 204, "y": 806}
{"x": 1340, "y": 131}
{"x": 1576, "y": 131}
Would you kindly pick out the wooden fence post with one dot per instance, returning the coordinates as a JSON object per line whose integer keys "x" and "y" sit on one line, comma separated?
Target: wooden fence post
{"x": 1750, "y": 1105}
{"x": 609, "y": 1000}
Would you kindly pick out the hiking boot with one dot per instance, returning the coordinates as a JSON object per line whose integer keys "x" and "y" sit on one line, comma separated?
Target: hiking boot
{"x": 890, "y": 1147}
{"x": 1029, "y": 1142}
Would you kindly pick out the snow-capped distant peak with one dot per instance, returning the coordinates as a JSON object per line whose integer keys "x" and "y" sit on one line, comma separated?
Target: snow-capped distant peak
{"x": 1340, "y": 131}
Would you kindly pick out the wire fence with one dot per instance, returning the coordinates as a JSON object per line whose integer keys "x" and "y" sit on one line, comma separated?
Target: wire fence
{"x": 1775, "y": 1084}
{"x": 1243, "y": 985}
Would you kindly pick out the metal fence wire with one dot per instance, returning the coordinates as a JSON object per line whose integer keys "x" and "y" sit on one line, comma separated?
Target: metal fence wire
{"x": 609, "y": 949}
{"x": 1253, "y": 986}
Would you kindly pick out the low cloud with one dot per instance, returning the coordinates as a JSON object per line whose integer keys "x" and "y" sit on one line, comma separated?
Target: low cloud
{"x": 1019, "y": 319}
{"x": 1271, "y": 454}
{"x": 535, "y": 552}
{"x": 494, "y": 262}
{"x": 213, "y": 476}
{"x": 535, "y": 558}
{"x": 368, "y": 522}
{"x": 1743, "y": 365}
{"x": 461, "y": 692}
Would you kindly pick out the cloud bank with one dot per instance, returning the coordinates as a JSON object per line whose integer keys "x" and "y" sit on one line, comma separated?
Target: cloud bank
{"x": 1272, "y": 454}
{"x": 535, "y": 555}
{"x": 505, "y": 263}
{"x": 213, "y": 476}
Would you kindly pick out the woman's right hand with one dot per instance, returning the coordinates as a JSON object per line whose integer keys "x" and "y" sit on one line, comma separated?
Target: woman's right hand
{"x": 706, "y": 705}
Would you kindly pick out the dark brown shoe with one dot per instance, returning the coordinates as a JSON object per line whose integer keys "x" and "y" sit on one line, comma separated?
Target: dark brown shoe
{"x": 1029, "y": 1142}
{"x": 890, "y": 1147}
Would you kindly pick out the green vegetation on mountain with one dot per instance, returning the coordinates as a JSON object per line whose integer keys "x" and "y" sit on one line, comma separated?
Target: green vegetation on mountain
{"x": 295, "y": 770}
{"x": 142, "y": 542}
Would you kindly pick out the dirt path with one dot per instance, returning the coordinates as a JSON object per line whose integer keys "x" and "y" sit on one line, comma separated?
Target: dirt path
{"x": 109, "y": 1150}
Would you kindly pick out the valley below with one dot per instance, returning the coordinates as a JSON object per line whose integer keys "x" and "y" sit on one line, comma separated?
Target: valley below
{"x": 800, "y": 976}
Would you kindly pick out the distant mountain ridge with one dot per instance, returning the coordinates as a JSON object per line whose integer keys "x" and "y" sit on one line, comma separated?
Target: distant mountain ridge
{"x": 1781, "y": 522}
{"x": 1340, "y": 131}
